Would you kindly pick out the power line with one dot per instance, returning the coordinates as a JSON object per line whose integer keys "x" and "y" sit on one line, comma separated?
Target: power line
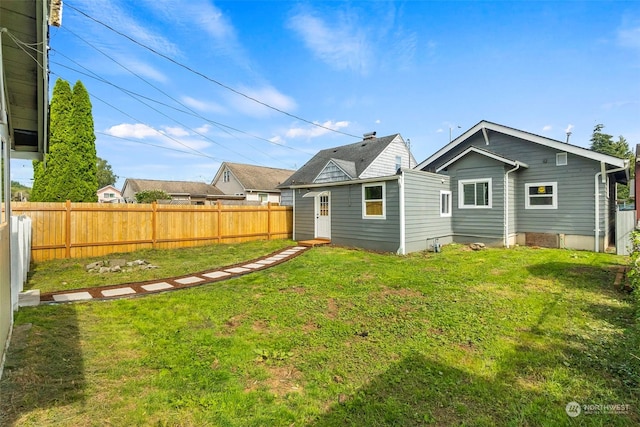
{"x": 204, "y": 76}
{"x": 157, "y": 146}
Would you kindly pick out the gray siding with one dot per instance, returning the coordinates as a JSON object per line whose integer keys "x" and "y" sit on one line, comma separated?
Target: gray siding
{"x": 303, "y": 216}
{"x": 474, "y": 223}
{"x": 575, "y": 212}
{"x": 286, "y": 197}
{"x": 423, "y": 222}
{"x": 331, "y": 173}
{"x": 348, "y": 228}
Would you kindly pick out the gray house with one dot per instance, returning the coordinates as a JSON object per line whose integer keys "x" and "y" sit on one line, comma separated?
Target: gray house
{"x": 493, "y": 184}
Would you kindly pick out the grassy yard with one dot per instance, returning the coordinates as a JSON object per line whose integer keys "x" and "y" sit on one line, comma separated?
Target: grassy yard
{"x": 342, "y": 337}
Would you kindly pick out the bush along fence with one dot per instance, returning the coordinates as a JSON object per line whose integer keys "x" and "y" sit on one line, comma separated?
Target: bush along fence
{"x": 634, "y": 270}
{"x": 78, "y": 230}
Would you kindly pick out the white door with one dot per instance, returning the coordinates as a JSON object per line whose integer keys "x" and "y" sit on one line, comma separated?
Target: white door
{"x": 323, "y": 215}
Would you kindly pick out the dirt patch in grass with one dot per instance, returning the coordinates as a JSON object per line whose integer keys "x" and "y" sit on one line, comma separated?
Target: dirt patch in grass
{"x": 294, "y": 289}
{"x": 260, "y": 326}
{"x": 282, "y": 380}
{"x": 332, "y": 309}
{"x": 401, "y": 292}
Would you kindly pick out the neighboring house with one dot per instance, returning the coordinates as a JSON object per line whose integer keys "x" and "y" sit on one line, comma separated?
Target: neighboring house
{"x": 181, "y": 192}
{"x": 254, "y": 183}
{"x": 24, "y": 91}
{"x": 109, "y": 194}
{"x": 492, "y": 184}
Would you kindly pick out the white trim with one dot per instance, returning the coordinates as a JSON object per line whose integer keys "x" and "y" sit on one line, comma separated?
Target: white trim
{"x": 461, "y": 185}
{"x": 355, "y": 181}
{"x": 384, "y": 201}
{"x": 547, "y": 142}
{"x": 483, "y": 153}
{"x": 554, "y": 195}
{"x": 316, "y": 213}
{"x": 559, "y": 161}
{"x": 449, "y": 204}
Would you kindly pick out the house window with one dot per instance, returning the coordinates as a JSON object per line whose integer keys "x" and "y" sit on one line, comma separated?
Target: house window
{"x": 445, "y": 203}
{"x": 226, "y": 176}
{"x": 109, "y": 195}
{"x": 474, "y": 193}
{"x": 398, "y": 162}
{"x": 541, "y": 195}
{"x": 561, "y": 159}
{"x": 373, "y": 201}
{"x": 263, "y": 197}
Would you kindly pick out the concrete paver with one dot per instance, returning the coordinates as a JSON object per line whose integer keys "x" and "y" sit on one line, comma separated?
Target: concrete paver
{"x": 118, "y": 291}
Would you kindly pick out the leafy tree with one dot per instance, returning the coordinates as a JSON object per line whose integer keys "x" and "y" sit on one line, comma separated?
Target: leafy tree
{"x": 150, "y": 196}
{"x": 105, "y": 173}
{"x": 604, "y": 143}
{"x": 70, "y": 169}
{"x": 19, "y": 191}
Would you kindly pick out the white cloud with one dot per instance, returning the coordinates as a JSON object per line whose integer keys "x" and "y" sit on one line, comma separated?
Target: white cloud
{"x": 341, "y": 43}
{"x": 206, "y": 106}
{"x": 175, "y": 131}
{"x": 629, "y": 37}
{"x": 144, "y": 70}
{"x": 440, "y": 130}
{"x": 315, "y": 131}
{"x": 137, "y": 130}
{"x": 546, "y": 128}
{"x": 267, "y": 95}
{"x": 204, "y": 129}
{"x": 377, "y": 121}
{"x": 569, "y": 128}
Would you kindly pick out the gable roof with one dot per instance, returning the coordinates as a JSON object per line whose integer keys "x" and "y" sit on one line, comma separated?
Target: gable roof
{"x": 482, "y": 152}
{"x": 107, "y": 187}
{"x": 484, "y": 125}
{"x": 255, "y": 178}
{"x": 361, "y": 154}
{"x": 171, "y": 187}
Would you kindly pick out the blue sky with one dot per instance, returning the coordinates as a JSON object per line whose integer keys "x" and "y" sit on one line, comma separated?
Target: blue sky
{"x": 419, "y": 68}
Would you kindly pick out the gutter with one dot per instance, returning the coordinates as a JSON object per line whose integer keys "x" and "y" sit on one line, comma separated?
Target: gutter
{"x": 506, "y": 204}
{"x": 403, "y": 232}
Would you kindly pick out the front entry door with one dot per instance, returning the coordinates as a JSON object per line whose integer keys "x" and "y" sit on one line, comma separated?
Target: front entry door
{"x": 323, "y": 215}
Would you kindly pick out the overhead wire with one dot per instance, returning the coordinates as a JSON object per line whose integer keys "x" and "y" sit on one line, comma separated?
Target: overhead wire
{"x": 206, "y": 77}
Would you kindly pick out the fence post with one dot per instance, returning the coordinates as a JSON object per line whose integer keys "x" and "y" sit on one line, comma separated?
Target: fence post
{"x": 269, "y": 221}
{"x": 219, "y": 207}
{"x": 154, "y": 223}
{"x": 67, "y": 241}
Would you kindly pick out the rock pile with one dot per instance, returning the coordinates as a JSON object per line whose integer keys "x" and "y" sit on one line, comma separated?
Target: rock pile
{"x": 118, "y": 265}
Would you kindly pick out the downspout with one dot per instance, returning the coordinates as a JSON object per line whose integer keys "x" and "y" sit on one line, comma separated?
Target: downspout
{"x": 402, "y": 248}
{"x": 293, "y": 191}
{"x": 506, "y": 204}
{"x": 603, "y": 173}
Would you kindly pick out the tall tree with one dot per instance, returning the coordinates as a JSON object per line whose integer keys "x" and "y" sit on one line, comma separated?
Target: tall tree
{"x": 604, "y": 143}
{"x": 69, "y": 171}
{"x": 105, "y": 173}
{"x": 85, "y": 143}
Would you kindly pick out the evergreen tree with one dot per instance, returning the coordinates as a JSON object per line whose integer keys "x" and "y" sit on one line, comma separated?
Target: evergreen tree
{"x": 604, "y": 143}
{"x": 85, "y": 146}
{"x": 69, "y": 171}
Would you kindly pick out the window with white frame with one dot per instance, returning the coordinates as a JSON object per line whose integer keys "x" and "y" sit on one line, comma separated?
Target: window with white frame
{"x": 398, "y": 162}
{"x": 226, "y": 176}
{"x": 561, "y": 159}
{"x": 263, "y": 197}
{"x": 373, "y": 200}
{"x": 541, "y": 195}
{"x": 474, "y": 193}
{"x": 445, "y": 203}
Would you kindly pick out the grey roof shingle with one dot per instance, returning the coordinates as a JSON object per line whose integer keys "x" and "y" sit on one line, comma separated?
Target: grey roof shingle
{"x": 258, "y": 178}
{"x": 171, "y": 187}
{"x": 361, "y": 153}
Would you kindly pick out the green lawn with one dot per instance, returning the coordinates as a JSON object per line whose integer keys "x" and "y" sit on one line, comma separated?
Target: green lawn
{"x": 341, "y": 337}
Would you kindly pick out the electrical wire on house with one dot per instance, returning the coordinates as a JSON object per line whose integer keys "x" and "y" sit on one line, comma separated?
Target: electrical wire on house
{"x": 206, "y": 77}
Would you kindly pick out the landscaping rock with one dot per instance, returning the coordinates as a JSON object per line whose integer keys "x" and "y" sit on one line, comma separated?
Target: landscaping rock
{"x": 117, "y": 262}
{"x": 94, "y": 265}
{"x": 477, "y": 246}
{"x": 104, "y": 270}
{"x": 116, "y": 269}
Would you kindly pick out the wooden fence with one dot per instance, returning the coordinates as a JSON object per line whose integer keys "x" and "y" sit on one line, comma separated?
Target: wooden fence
{"x": 78, "y": 230}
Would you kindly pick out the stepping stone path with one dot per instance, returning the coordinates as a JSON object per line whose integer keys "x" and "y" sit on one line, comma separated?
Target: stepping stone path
{"x": 162, "y": 285}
